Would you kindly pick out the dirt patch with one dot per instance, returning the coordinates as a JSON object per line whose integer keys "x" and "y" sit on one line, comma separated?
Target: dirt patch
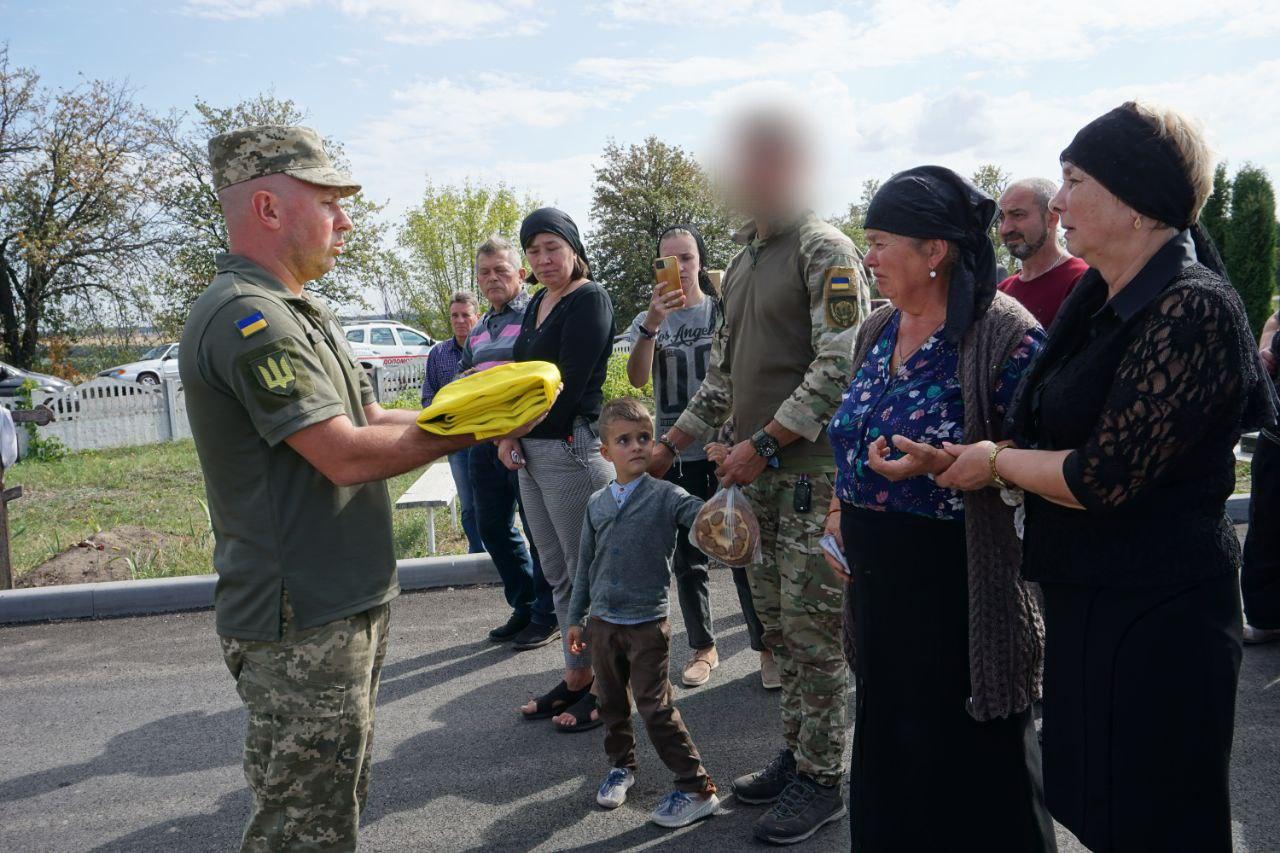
{"x": 104, "y": 556}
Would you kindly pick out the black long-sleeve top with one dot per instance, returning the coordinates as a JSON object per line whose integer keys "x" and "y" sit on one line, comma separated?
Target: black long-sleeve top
{"x": 577, "y": 337}
{"x": 1146, "y": 390}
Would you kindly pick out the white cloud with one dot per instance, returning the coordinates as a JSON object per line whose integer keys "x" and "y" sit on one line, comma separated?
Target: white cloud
{"x": 401, "y": 21}
{"x": 895, "y": 32}
{"x": 229, "y": 10}
{"x": 450, "y": 129}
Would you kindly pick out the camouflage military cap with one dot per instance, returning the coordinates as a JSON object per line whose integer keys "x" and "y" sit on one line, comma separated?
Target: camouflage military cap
{"x": 242, "y": 155}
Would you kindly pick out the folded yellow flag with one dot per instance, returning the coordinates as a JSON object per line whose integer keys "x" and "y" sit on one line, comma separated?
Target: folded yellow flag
{"x": 492, "y": 402}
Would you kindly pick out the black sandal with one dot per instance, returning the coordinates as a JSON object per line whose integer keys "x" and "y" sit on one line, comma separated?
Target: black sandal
{"x": 557, "y": 701}
{"x": 581, "y": 712}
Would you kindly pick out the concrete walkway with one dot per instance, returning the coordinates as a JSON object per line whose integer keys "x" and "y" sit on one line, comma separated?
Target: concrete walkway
{"x": 124, "y": 735}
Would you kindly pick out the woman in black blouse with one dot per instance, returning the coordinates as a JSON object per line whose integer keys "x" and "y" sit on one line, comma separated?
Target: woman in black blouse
{"x": 1123, "y": 435}
{"x": 569, "y": 323}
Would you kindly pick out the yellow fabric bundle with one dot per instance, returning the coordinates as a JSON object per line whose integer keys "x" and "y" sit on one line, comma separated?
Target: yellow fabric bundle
{"x": 492, "y": 402}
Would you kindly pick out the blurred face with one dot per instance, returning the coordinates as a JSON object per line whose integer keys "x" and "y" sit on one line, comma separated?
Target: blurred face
{"x": 1024, "y": 229}
{"x": 1092, "y": 218}
{"x": 768, "y": 178}
{"x": 312, "y": 227}
{"x": 462, "y": 318}
{"x": 900, "y": 268}
{"x": 498, "y": 279}
{"x": 629, "y": 446}
{"x": 551, "y": 259}
{"x": 685, "y": 250}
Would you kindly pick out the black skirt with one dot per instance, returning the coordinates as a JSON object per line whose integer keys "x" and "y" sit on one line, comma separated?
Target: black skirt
{"x": 926, "y": 776}
{"x": 1139, "y": 709}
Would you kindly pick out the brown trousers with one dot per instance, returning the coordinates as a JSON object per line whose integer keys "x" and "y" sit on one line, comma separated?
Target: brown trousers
{"x": 632, "y": 660}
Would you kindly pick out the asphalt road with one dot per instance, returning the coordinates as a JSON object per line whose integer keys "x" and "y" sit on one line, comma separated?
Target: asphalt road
{"x": 125, "y": 735}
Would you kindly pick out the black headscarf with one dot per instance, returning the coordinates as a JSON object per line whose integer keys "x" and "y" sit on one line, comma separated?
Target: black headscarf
{"x": 704, "y": 280}
{"x": 934, "y": 203}
{"x": 1124, "y": 151}
{"x": 549, "y": 220}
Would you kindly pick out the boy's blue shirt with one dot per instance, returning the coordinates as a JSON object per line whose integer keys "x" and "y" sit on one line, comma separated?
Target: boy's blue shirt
{"x": 625, "y": 553}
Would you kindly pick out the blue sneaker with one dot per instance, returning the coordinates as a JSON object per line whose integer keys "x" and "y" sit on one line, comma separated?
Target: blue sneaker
{"x": 679, "y": 809}
{"x": 613, "y": 791}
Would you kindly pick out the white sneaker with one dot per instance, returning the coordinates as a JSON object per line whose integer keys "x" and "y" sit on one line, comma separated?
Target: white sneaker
{"x": 679, "y": 809}
{"x": 613, "y": 791}
{"x": 1257, "y": 636}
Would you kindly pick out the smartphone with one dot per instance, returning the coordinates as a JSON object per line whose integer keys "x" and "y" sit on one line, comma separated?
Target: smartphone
{"x": 828, "y": 543}
{"x": 666, "y": 274}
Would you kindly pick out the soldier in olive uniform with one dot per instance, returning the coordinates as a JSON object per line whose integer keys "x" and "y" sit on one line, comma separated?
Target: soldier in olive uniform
{"x": 294, "y": 449}
{"x": 793, "y": 299}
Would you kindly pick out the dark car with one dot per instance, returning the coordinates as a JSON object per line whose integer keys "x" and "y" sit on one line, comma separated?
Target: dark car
{"x": 11, "y": 379}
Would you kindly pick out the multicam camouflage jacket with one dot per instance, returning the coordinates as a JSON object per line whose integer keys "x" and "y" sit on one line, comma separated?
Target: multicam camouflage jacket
{"x": 838, "y": 301}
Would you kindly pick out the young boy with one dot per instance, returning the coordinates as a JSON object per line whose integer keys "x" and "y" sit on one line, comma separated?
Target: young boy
{"x": 620, "y": 593}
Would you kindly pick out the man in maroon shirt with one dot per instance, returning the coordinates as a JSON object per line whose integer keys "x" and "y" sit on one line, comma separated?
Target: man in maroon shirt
{"x": 1029, "y": 230}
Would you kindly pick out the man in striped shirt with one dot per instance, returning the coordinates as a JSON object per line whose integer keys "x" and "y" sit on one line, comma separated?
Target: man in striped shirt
{"x": 500, "y": 277}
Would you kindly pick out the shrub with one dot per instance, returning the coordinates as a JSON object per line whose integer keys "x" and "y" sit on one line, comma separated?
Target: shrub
{"x": 616, "y": 383}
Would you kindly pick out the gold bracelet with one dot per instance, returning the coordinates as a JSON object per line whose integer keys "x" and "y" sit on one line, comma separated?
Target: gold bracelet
{"x": 991, "y": 461}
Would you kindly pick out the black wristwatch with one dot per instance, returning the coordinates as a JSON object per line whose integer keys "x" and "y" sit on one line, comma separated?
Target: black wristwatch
{"x": 645, "y": 332}
{"x": 765, "y": 444}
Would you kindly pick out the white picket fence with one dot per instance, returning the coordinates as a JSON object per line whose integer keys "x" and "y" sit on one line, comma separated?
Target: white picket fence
{"x": 105, "y": 413}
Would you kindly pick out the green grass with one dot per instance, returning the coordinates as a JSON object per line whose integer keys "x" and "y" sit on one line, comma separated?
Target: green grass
{"x": 158, "y": 487}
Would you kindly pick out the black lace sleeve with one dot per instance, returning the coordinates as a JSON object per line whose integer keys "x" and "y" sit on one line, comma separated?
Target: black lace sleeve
{"x": 1179, "y": 378}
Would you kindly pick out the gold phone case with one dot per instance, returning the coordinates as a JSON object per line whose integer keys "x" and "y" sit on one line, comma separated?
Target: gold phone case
{"x": 666, "y": 274}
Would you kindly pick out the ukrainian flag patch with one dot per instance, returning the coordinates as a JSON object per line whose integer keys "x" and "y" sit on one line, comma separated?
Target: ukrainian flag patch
{"x": 252, "y": 324}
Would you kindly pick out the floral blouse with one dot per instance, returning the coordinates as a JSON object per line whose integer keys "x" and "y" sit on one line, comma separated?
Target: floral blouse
{"x": 922, "y": 402}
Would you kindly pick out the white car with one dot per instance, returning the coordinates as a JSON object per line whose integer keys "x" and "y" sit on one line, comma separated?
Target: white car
{"x": 386, "y": 342}
{"x": 157, "y": 364}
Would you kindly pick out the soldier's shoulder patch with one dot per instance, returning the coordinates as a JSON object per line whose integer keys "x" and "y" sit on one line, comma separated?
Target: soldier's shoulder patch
{"x": 252, "y": 324}
{"x": 840, "y": 296}
{"x": 276, "y": 367}
{"x": 274, "y": 372}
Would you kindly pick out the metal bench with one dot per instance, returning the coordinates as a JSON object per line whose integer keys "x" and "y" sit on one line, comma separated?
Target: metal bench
{"x": 433, "y": 489}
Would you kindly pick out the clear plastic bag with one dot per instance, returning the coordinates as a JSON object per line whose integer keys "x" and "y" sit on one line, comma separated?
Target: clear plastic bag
{"x": 726, "y": 529}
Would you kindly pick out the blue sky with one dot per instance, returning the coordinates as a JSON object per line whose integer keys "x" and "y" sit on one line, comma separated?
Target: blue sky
{"x": 528, "y": 92}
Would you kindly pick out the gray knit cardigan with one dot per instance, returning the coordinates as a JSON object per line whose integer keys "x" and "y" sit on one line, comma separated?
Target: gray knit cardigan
{"x": 1006, "y": 632}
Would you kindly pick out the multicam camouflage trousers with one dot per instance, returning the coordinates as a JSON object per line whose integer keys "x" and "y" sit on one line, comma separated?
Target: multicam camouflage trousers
{"x": 800, "y": 604}
{"x": 307, "y": 755}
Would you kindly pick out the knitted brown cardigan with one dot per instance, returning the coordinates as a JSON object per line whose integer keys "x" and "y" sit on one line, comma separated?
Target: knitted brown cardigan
{"x": 1006, "y": 633}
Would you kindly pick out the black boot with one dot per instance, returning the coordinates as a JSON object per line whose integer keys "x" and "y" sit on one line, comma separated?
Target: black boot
{"x": 535, "y": 636}
{"x": 769, "y": 783}
{"x": 803, "y": 808}
{"x": 514, "y": 626}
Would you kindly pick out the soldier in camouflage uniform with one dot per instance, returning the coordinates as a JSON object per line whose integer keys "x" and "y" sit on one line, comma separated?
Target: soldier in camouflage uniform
{"x": 294, "y": 449}
{"x": 793, "y": 299}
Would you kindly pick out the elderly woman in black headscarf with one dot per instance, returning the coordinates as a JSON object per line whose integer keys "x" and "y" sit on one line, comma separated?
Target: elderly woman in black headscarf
{"x": 944, "y": 636}
{"x": 1123, "y": 434}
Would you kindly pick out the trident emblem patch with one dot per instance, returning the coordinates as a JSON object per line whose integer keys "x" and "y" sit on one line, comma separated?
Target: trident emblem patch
{"x": 274, "y": 372}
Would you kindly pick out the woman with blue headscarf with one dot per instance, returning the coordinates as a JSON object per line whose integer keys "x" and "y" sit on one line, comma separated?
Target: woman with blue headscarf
{"x": 944, "y": 637}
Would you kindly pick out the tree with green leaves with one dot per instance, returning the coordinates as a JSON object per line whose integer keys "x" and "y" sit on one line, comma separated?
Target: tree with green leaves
{"x": 1217, "y": 209}
{"x": 367, "y": 264}
{"x": 639, "y": 191}
{"x": 851, "y": 222}
{"x": 440, "y": 236}
{"x": 993, "y": 181}
{"x": 1251, "y": 243}
{"x": 80, "y": 173}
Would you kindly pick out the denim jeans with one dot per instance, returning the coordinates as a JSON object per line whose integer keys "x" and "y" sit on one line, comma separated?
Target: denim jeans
{"x": 458, "y": 466}
{"x": 497, "y": 498}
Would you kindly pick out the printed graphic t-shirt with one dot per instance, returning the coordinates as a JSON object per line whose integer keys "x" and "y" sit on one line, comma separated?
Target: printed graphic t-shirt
{"x": 683, "y": 351}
